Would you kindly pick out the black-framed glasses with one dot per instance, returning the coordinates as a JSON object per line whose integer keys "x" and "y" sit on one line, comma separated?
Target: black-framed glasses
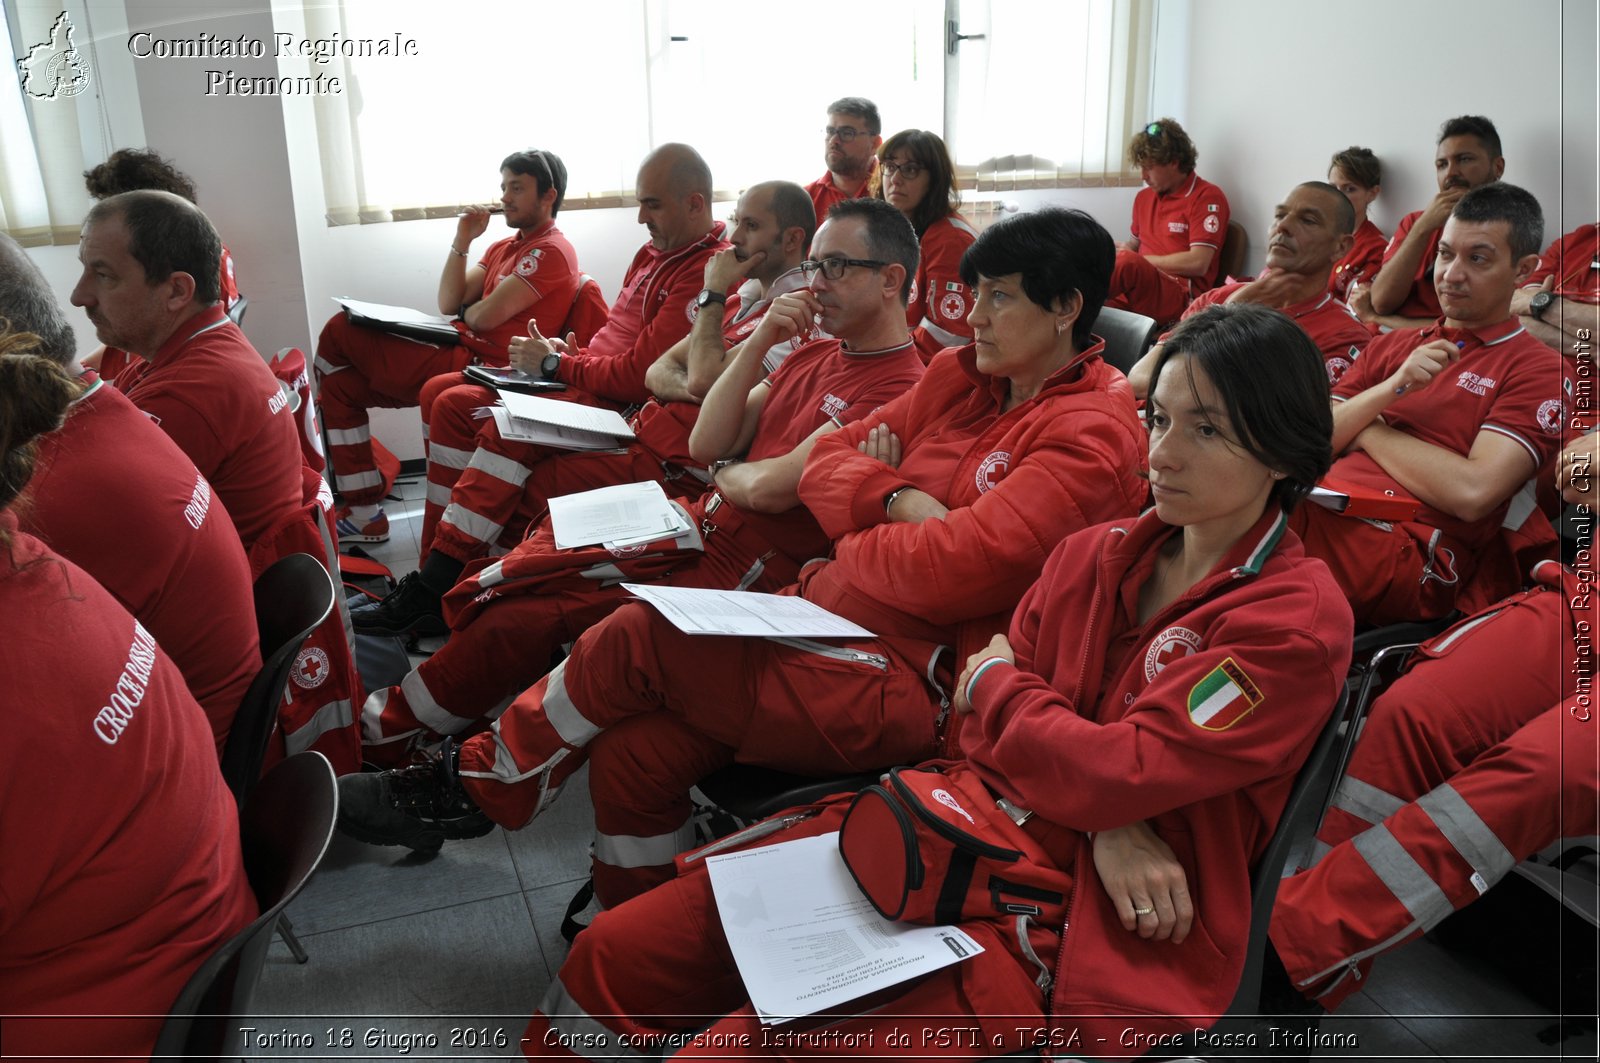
{"x": 833, "y": 266}
{"x": 909, "y": 170}
{"x": 844, "y": 132}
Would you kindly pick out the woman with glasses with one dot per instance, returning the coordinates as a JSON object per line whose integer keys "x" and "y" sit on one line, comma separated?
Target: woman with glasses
{"x": 121, "y": 871}
{"x": 917, "y": 178}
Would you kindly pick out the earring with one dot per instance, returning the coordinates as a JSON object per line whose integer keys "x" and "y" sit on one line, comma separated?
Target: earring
{"x": 1276, "y": 475}
{"x": 1061, "y": 326}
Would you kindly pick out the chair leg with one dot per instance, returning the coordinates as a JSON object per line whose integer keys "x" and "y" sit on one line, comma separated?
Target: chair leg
{"x": 286, "y": 932}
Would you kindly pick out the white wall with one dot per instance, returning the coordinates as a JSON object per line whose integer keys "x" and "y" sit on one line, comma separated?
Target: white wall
{"x": 1261, "y": 84}
{"x": 1275, "y": 88}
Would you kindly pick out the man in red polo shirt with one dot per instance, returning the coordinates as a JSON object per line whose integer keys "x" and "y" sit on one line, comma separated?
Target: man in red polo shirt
{"x": 1179, "y": 222}
{"x": 1311, "y": 232}
{"x": 850, "y": 145}
{"x": 151, "y": 262}
{"x": 360, "y": 368}
{"x": 1561, "y": 301}
{"x": 1402, "y": 294}
{"x": 1458, "y": 415}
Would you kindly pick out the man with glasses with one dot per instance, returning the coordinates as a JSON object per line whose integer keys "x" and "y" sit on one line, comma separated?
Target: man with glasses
{"x": 360, "y": 368}
{"x": 850, "y": 146}
{"x": 749, "y": 532}
{"x": 1179, "y": 222}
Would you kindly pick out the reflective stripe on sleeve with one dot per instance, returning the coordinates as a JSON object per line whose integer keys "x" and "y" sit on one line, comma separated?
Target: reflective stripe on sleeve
{"x": 1403, "y": 876}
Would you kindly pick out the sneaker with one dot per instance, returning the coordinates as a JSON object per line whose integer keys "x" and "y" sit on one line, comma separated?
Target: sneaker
{"x": 375, "y": 530}
{"x": 411, "y": 608}
{"x": 418, "y": 807}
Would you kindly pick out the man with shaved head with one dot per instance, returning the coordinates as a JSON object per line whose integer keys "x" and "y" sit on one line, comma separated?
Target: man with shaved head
{"x": 150, "y": 286}
{"x": 1312, "y": 230}
{"x": 482, "y": 486}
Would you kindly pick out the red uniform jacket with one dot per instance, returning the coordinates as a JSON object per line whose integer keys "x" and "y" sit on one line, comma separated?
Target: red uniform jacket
{"x": 121, "y": 871}
{"x": 1064, "y": 460}
{"x": 660, "y": 289}
{"x": 1197, "y": 720}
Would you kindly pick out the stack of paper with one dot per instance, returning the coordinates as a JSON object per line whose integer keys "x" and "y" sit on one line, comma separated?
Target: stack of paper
{"x": 623, "y": 515}
{"x": 567, "y": 425}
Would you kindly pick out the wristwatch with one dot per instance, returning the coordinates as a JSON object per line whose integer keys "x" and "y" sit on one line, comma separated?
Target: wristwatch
{"x": 550, "y": 365}
{"x": 707, "y": 296}
{"x": 1539, "y": 304}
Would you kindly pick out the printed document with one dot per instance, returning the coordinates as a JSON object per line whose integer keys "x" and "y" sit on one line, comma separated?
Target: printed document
{"x": 806, "y": 938}
{"x": 699, "y": 611}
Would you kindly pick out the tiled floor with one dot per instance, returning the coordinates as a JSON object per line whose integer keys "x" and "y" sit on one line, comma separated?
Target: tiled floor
{"x": 460, "y": 946}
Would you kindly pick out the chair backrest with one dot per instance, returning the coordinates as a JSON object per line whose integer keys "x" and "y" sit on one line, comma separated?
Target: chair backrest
{"x": 292, "y": 597}
{"x": 1301, "y": 814}
{"x": 284, "y": 830}
{"x": 236, "y": 311}
{"x": 1127, "y": 335}
{"x": 1230, "y": 260}
{"x": 589, "y": 310}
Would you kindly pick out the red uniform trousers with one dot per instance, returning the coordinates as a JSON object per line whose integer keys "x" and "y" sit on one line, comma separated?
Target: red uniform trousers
{"x": 361, "y": 368}
{"x": 1462, "y": 770}
{"x": 805, "y": 707}
{"x": 507, "y": 629}
{"x": 655, "y": 972}
{"x": 1410, "y": 572}
{"x": 484, "y": 490}
{"x": 1138, "y": 286}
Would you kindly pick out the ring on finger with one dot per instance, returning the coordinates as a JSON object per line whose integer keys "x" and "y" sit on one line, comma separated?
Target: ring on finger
{"x": 1144, "y": 911}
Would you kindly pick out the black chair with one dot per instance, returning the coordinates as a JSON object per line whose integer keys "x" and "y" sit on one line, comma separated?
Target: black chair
{"x": 284, "y": 830}
{"x": 748, "y": 793}
{"x": 292, "y": 597}
{"x": 1128, "y": 336}
{"x": 236, "y": 311}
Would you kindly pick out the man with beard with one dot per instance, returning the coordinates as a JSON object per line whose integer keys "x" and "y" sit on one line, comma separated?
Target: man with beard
{"x": 1402, "y": 294}
{"x": 850, "y": 146}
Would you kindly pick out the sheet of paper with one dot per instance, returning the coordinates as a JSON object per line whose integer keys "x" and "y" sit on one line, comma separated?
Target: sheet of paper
{"x": 805, "y": 937}
{"x": 622, "y": 511}
{"x": 698, "y": 611}
{"x": 548, "y": 434}
{"x": 566, "y": 414}
{"x": 384, "y": 312}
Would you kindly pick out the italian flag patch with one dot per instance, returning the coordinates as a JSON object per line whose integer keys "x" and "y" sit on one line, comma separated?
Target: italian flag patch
{"x": 1224, "y": 697}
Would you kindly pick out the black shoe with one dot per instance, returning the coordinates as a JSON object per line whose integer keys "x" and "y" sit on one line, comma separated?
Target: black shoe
{"x": 411, "y": 608}
{"x": 419, "y": 807}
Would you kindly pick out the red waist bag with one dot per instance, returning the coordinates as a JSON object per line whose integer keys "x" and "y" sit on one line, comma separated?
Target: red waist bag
{"x": 931, "y": 848}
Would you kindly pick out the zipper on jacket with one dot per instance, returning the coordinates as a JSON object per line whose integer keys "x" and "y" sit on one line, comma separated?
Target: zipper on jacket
{"x": 838, "y": 653}
{"x": 739, "y": 837}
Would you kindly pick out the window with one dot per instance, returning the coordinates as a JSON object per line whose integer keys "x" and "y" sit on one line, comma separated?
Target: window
{"x": 1039, "y": 95}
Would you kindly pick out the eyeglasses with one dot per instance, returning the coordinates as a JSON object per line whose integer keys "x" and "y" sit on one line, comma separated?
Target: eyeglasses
{"x": 833, "y": 268}
{"x": 845, "y": 133}
{"x": 909, "y": 170}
